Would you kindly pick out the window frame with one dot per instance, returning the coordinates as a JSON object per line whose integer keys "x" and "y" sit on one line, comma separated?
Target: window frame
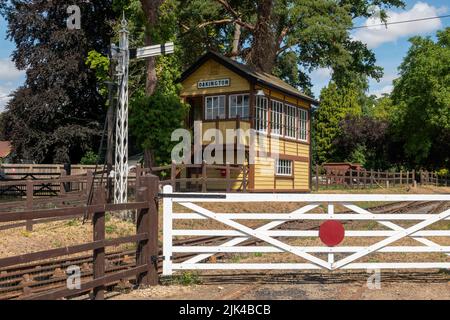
{"x": 224, "y": 97}
{"x": 262, "y": 124}
{"x": 287, "y": 171}
{"x": 280, "y": 116}
{"x": 303, "y": 125}
{"x": 239, "y": 107}
{"x": 293, "y": 128}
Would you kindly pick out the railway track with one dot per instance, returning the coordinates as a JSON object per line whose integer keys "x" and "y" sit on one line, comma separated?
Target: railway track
{"x": 22, "y": 281}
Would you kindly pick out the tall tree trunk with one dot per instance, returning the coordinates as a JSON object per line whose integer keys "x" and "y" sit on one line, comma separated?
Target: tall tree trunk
{"x": 150, "y": 8}
{"x": 263, "y": 53}
{"x": 236, "y": 41}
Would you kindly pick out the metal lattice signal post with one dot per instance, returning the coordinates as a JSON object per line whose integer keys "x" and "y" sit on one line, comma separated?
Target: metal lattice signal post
{"x": 123, "y": 54}
{"x": 121, "y": 159}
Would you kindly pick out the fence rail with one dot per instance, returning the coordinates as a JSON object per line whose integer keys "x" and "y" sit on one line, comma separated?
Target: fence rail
{"x": 203, "y": 177}
{"x": 362, "y": 179}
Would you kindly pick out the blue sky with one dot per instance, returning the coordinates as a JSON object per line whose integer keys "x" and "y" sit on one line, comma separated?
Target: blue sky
{"x": 390, "y": 46}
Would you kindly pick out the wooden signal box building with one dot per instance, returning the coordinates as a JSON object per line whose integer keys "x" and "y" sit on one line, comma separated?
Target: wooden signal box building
{"x": 225, "y": 94}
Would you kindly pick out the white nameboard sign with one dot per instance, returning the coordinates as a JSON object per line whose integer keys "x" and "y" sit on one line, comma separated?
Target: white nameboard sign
{"x": 214, "y": 83}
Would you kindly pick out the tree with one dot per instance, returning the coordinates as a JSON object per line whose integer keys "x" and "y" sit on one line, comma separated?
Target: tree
{"x": 56, "y": 115}
{"x": 153, "y": 120}
{"x": 362, "y": 139}
{"x": 422, "y": 99}
{"x": 287, "y": 37}
{"x": 336, "y": 103}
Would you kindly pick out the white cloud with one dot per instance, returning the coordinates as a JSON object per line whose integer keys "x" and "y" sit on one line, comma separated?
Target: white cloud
{"x": 10, "y": 79}
{"x": 322, "y": 74}
{"x": 8, "y": 71}
{"x": 377, "y": 35}
{"x": 320, "y": 79}
{"x": 384, "y": 90}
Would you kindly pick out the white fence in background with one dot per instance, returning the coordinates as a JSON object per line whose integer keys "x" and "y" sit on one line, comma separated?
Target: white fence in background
{"x": 419, "y": 232}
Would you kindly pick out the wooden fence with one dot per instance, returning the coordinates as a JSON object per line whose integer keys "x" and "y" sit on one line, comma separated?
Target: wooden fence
{"x": 146, "y": 239}
{"x": 202, "y": 177}
{"x": 358, "y": 179}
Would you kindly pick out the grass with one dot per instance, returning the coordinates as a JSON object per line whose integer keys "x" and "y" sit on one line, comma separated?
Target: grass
{"x": 111, "y": 228}
{"x": 73, "y": 223}
{"x": 187, "y": 278}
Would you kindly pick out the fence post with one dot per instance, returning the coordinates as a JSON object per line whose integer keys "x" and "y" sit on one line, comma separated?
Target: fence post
{"x": 401, "y": 177}
{"x": 99, "y": 235}
{"x": 358, "y": 181}
{"x": 30, "y": 195}
{"x": 138, "y": 177}
{"x": 147, "y": 222}
{"x": 89, "y": 183}
{"x": 173, "y": 175}
{"x": 228, "y": 175}
{"x": 204, "y": 176}
{"x": 372, "y": 177}
{"x": 62, "y": 188}
{"x": 386, "y": 175}
{"x": 365, "y": 178}
{"x": 317, "y": 176}
{"x": 351, "y": 178}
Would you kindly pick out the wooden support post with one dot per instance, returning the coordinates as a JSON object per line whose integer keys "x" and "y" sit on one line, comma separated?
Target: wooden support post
{"x": 204, "y": 176}
{"x": 365, "y": 179}
{"x": 89, "y": 183}
{"x": 30, "y": 195}
{"x": 351, "y": 178}
{"x": 386, "y": 175}
{"x": 228, "y": 177}
{"x": 99, "y": 235}
{"x": 173, "y": 176}
{"x": 372, "y": 177}
{"x": 147, "y": 222}
{"x": 358, "y": 173}
{"x": 317, "y": 177}
{"x": 138, "y": 177}
{"x": 62, "y": 185}
{"x": 244, "y": 177}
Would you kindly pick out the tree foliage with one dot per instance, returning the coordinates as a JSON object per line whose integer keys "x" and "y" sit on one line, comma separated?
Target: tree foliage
{"x": 422, "y": 99}
{"x": 336, "y": 103}
{"x": 287, "y": 37}
{"x": 362, "y": 139}
{"x": 152, "y": 126}
{"x": 55, "y": 116}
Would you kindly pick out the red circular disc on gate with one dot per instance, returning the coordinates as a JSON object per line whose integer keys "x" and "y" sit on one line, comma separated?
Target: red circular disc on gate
{"x": 332, "y": 233}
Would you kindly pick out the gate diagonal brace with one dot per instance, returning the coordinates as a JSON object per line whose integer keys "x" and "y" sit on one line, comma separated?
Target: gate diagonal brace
{"x": 389, "y": 240}
{"x": 392, "y": 226}
{"x": 266, "y": 227}
{"x": 258, "y": 234}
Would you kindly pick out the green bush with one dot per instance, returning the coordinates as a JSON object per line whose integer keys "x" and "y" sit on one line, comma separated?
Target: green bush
{"x": 90, "y": 158}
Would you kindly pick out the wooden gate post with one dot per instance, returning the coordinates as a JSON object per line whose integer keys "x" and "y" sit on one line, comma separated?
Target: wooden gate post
{"x": 30, "y": 195}
{"x": 147, "y": 222}
{"x": 99, "y": 235}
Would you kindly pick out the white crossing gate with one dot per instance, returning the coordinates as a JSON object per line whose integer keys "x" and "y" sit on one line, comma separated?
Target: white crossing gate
{"x": 337, "y": 257}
